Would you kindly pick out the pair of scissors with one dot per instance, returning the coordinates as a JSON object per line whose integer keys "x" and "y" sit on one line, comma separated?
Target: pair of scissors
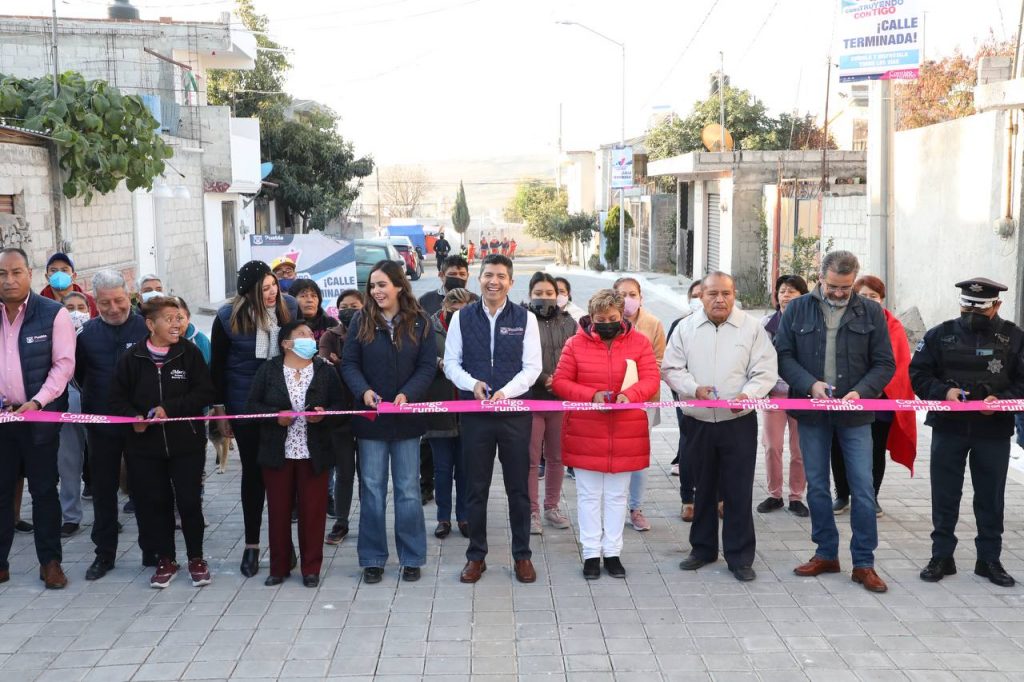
{"x": 828, "y": 391}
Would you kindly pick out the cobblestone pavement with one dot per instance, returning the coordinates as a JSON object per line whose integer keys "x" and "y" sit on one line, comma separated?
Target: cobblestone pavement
{"x": 659, "y": 623}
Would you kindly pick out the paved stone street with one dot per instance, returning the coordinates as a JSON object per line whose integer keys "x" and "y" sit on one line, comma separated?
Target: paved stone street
{"x": 659, "y": 623}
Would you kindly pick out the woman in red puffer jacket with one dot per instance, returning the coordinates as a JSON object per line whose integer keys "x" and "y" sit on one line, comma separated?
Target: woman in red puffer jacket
{"x": 606, "y": 361}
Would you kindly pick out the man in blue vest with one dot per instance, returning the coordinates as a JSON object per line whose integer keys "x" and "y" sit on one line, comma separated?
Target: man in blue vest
{"x": 493, "y": 353}
{"x": 37, "y": 359}
{"x": 100, "y": 345}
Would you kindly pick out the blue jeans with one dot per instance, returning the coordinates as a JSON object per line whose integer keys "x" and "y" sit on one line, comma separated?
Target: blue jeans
{"x": 448, "y": 467}
{"x": 816, "y": 445}
{"x": 410, "y": 531}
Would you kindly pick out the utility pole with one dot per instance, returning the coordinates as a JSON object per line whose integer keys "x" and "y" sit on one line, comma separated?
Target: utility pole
{"x": 53, "y": 34}
{"x": 721, "y": 100}
{"x": 378, "y": 202}
{"x": 824, "y": 141}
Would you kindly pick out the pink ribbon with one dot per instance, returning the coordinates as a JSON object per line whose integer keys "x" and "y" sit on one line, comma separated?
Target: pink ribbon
{"x": 515, "y": 405}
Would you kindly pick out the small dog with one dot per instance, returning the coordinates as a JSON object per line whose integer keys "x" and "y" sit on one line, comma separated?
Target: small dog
{"x": 221, "y": 445}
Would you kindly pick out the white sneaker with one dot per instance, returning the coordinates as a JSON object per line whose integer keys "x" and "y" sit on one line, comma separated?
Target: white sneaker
{"x": 535, "y": 525}
{"x": 555, "y": 518}
{"x": 639, "y": 521}
{"x": 674, "y": 470}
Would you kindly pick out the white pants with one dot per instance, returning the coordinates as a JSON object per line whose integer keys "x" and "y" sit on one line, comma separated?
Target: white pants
{"x": 601, "y": 510}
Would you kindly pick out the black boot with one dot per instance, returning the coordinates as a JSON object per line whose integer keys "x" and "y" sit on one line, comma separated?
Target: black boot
{"x": 592, "y": 568}
{"x": 994, "y": 571}
{"x": 938, "y": 568}
{"x": 250, "y": 562}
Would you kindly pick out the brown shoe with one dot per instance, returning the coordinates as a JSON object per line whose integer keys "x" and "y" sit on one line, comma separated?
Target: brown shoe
{"x": 721, "y": 510}
{"x": 524, "y": 571}
{"x": 687, "y": 513}
{"x": 5, "y": 575}
{"x": 472, "y": 571}
{"x": 869, "y": 579}
{"x": 817, "y": 566}
{"x": 53, "y": 576}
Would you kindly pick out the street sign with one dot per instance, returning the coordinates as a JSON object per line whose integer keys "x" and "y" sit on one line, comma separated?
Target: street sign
{"x": 622, "y": 167}
{"x": 331, "y": 263}
{"x": 879, "y": 39}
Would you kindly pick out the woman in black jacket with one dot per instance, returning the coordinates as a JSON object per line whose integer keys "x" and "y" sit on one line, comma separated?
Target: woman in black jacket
{"x": 390, "y": 355}
{"x": 163, "y": 377}
{"x": 295, "y": 452}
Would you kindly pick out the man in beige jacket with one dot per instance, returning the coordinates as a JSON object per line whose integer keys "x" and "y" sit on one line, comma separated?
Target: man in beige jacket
{"x": 720, "y": 352}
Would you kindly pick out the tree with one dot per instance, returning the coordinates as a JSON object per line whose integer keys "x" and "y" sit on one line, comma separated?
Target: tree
{"x": 537, "y": 204}
{"x": 460, "y": 213}
{"x": 403, "y": 189}
{"x": 251, "y": 93}
{"x": 316, "y": 170}
{"x": 611, "y": 235}
{"x": 101, "y": 136}
{"x": 944, "y": 89}
{"x": 746, "y": 119}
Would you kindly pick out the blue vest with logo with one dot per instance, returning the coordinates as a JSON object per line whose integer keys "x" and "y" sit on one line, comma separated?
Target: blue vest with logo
{"x": 509, "y": 333}
{"x": 35, "y": 348}
{"x": 100, "y": 347}
{"x": 242, "y": 363}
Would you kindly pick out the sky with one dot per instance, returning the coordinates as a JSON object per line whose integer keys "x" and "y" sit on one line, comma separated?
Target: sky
{"x": 422, "y": 80}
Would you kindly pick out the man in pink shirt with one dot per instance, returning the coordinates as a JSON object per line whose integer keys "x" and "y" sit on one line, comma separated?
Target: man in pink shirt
{"x": 37, "y": 359}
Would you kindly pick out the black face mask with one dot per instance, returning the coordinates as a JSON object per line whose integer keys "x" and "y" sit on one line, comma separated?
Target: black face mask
{"x": 345, "y": 315}
{"x": 454, "y": 283}
{"x": 607, "y": 330}
{"x": 976, "y": 322}
{"x": 543, "y": 307}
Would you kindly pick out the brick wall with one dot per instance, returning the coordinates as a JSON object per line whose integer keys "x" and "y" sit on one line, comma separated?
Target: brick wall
{"x": 844, "y": 220}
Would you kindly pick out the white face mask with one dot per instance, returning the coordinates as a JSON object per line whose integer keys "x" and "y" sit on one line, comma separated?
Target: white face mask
{"x": 148, "y": 296}
{"x": 78, "y": 318}
{"x": 696, "y": 305}
{"x": 561, "y": 300}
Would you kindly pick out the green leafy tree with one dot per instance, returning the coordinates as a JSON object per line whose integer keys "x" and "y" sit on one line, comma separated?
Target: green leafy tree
{"x": 460, "y": 212}
{"x": 611, "y": 235}
{"x": 746, "y": 119}
{"x": 537, "y": 204}
{"x": 317, "y": 172}
{"x": 251, "y": 93}
{"x": 102, "y": 136}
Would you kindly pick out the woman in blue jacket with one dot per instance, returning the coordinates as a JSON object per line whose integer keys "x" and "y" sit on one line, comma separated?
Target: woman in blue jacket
{"x": 389, "y": 355}
{"x": 244, "y": 337}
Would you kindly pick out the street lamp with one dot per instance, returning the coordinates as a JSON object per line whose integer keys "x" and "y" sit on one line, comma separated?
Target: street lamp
{"x": 622, "y": 133}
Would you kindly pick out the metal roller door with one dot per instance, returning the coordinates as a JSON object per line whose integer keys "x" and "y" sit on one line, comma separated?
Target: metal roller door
{"x": 714, "y": 232}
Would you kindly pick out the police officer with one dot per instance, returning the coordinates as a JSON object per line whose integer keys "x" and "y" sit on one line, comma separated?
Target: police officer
{"x": 979, "y": 356}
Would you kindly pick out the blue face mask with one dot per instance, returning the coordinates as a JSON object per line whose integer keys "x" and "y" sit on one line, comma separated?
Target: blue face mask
{"x": 60, "y": 280}
{"x": 285, "y": 284}
{"x": 304, "y": 348}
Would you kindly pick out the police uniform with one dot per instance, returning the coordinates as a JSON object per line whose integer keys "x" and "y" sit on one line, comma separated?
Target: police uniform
{"x": 981, "y": 357}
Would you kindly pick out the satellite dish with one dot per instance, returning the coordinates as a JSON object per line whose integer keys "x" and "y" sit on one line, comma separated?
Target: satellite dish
{"x": 712, "y": 135}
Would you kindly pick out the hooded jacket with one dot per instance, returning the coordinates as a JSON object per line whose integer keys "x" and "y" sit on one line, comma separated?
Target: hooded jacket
{"x": 606, "y": 441}
{"x": 182, "y": 386}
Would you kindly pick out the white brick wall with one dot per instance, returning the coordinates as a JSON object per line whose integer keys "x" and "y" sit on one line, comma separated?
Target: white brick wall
{"x": 845, "y": 221}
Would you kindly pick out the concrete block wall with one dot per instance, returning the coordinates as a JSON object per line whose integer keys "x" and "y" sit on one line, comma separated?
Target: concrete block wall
{"x": 745, "y": 206}
{"x": 845, "y": 221}
{"x": 663, "y": 229}
{"x": 182, "y": 234}
{"x": 102, "y": 234}
{"x": 24, "y": 173}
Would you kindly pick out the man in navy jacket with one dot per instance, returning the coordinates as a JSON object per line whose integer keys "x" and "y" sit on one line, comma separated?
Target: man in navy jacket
{"x": 834, "y": 344}
{"x": 101, "y": 344}
{"x": 493, "y": 353}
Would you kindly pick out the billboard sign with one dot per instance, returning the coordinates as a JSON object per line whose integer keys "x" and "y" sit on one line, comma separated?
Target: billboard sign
{"x": 879, "y": 39}
{"x": 331, "y": 263}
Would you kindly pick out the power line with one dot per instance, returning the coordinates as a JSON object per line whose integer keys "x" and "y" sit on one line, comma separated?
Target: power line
{"x": 679, "y": 59}
{"x": 757, "y": 35}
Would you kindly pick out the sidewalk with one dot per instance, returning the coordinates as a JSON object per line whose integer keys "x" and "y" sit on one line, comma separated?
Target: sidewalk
{"x": 658, "y": 624}
{"x": 669, "y": 287}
